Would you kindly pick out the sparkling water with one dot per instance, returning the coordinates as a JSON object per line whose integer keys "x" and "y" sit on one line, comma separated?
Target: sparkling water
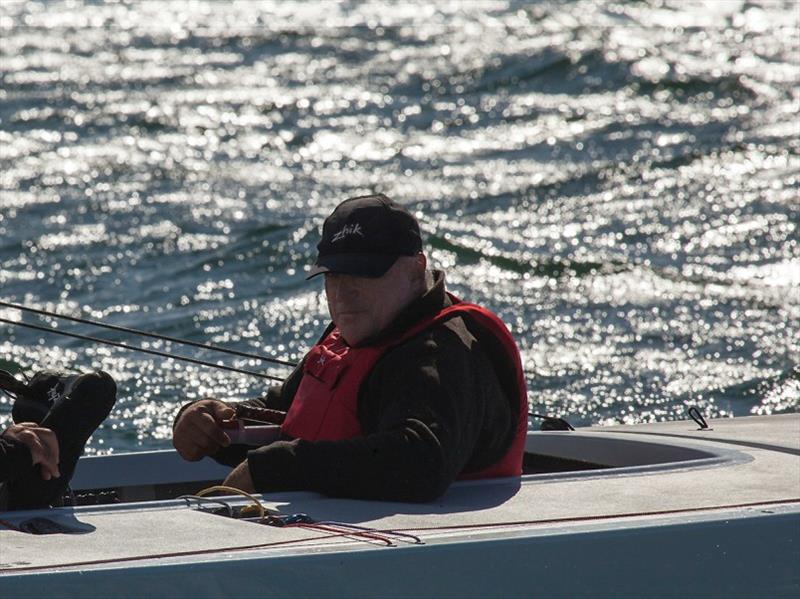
{"x": 618, "y": 181}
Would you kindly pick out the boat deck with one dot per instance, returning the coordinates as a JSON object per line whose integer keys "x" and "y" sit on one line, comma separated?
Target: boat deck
{"x": 665, "y": 478}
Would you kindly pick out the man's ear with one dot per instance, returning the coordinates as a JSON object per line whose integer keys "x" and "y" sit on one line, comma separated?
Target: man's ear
{"x": 422, "y": 261}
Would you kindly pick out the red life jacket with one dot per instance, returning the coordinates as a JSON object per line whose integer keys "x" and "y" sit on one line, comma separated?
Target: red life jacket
{"x": 325, "y": 406}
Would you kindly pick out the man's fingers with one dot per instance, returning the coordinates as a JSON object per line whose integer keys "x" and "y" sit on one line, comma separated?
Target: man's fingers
{"x": 43, "y": 446}
{"x": 31, "y": 440}
{"x": 190, "y": 442}
{"x": 50, "y": 441}
{"x": 48, "y": 461}
{"x": 222, "y": 411}
{"x": 198, "y": 432}
{"x": 210, "y": 428}
{"x": 186, "y": 448}
{"x": 49, "y": 470}
{"x": 199, "y": 436}
{"x": 188, "y": 452}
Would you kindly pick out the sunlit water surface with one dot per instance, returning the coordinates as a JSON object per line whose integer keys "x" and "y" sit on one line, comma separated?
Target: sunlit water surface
{"x": 618, "y": 181}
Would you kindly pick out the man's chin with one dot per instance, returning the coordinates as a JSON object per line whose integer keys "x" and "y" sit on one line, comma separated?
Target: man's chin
{"x": 350, "y": 320}
{"x": 352, "y": 335}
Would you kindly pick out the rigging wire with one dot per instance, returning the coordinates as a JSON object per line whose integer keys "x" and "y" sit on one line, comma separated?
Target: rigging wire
{"x": 141, "y": 349}
{"x": 114, "y": 327}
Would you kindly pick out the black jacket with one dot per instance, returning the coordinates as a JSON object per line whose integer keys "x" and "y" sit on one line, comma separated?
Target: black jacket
{"x": 15, "y": 458}
{"x": 432, "y": 408}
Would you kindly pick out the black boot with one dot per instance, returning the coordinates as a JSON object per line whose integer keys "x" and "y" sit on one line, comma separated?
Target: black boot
{"x": 35, "y": 398}
{"x": 73, "y": 418}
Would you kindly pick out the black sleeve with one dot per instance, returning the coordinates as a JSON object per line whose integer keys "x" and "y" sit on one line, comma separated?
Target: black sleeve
{"x": 15, "y": 459}
{"x": 422, "y": 411}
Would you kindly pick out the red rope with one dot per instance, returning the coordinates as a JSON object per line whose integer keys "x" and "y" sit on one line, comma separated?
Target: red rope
{"x": 359, "y": 535}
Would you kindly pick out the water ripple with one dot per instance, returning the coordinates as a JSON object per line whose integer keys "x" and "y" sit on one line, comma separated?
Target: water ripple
{"x": 617, "y": 180}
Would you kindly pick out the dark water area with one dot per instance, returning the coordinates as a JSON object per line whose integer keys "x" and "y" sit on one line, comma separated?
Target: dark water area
{"x": 618, "y": 181}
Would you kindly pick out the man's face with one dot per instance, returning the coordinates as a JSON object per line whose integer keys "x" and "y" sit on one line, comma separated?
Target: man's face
{"x": 362, "y": 307}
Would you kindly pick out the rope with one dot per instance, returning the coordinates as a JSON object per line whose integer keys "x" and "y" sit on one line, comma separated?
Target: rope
{"x": 259, "y": 414}
{"x": 114, "y": 327}
{"x": 366, "y": 536}
{"x": 142, "y": 349}
{"x": 402, "y": 536}
{"x": 204, "y": 500}
{"x": 262, "y": 509}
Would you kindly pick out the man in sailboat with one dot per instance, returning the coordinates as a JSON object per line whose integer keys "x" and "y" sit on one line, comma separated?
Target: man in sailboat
{"x": 407, "y": 390}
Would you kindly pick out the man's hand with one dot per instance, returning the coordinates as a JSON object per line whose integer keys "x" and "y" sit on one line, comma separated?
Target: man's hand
{"x": 42, "y": 443}
{"x": 240, "y": 478}
{"x": 198, "y": 432}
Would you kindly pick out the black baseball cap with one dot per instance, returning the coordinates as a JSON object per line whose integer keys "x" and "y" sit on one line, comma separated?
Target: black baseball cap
{"x": 364, "y": 236}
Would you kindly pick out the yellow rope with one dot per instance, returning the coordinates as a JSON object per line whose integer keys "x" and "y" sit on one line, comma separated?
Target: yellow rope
{"x": 262, "y": 509}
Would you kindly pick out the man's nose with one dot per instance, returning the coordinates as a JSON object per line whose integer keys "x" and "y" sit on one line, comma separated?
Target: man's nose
{"x": 340, "y": 289}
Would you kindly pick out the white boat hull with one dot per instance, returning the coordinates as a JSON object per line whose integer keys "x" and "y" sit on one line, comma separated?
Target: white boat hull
{"x": 679, "y": 512}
